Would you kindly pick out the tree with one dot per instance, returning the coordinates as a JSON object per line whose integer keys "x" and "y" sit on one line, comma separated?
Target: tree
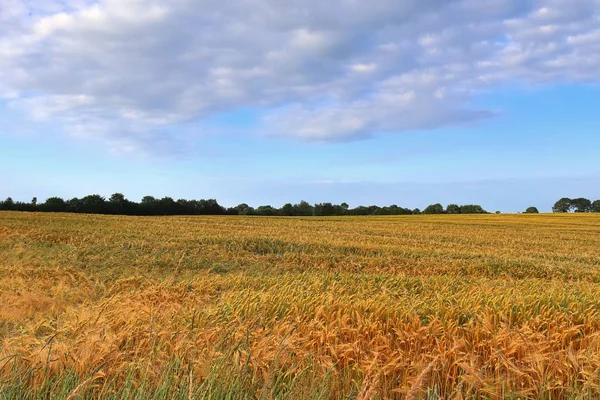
{"x": 562, "y": 206}
{"x": 210, "y": 207}
{"x": 34, "y": 202}
{"x": 581, "y": 205}
{"x": 323, "y": 209}
{"x": 360, "y": 210}
{"x": 149, "y": 205}
{"x": 7, "y": 204}
{"x": 266, "y": 210}
{"x": 434, "y": 209}
{"x": 472, "y": 209}
{"x": 303, "y": 209}
{"x": 167, "y": 206}
{"x": 287, "y": 210}
{"x": 596, "y": 206}
{"x": 453, "y": 209}
{"x": 341, "y": 209}
{"x": 93, "y": 204}
{"x": 54, "y": 204}
{"x": 74, "y": 205}
{"x": 118, "y": 204}
{"x": 244, "y": 209}
{"x": 532, "y": 210}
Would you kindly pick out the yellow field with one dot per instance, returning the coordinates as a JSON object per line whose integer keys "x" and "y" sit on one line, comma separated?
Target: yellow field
{"x": 448, "y": 307}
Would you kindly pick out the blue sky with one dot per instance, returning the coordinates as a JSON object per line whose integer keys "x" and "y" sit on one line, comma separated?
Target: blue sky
{"x": 498, "y": 109}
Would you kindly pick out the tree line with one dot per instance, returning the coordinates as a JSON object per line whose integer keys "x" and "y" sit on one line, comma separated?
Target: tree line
{"x": 579, "y": 205}
{"x": 117, "y": 204}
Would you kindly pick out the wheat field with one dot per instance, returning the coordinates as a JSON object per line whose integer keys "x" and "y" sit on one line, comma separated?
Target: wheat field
{"x": 434, "y": 307}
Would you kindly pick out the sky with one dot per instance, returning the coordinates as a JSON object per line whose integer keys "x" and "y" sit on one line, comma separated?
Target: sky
{"x": 383, "y": 102}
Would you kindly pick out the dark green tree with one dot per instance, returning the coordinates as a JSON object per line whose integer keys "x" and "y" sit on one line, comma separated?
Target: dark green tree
{"x": 472, "y": 209}
{"x": 94, "y": 204}
{"x": 532, "y": 210}
{"x": 596, "y": 206}
{"x": 244, "y": 209}
{"x": 210, "y": 207}
{"x": 287, "y": 210}
{"x": 266, "y": 210}
{"x": 55, "y": 204}
{"x": 118, "y": 204}
{"x": 562, "y": 206}
{"x": 7, "y": 204}
{"x": 167, "y": 206}
{"x": 149, "y": 205}
{"x": 74, "y": 205}
{"x": 303, "y": 209}
{"x": 323, "y": 209}
{"x": 434, "y": 209}
{"x": 581, "y": 205}
{"x": 453, "y": 209}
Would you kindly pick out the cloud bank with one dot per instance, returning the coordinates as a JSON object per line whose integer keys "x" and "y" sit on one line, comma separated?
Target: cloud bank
{"x": 127, "y": 71}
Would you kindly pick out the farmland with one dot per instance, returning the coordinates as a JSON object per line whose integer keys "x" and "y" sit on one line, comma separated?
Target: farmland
{"x": 449, "y": 306}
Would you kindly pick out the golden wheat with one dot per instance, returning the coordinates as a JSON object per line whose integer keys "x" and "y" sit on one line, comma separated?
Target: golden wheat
{"x": 491, "y": 306}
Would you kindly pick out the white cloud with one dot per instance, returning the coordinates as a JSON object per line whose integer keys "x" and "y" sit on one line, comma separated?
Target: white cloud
{"x": 328, "y": 71}
{"x": 365, "y": 68}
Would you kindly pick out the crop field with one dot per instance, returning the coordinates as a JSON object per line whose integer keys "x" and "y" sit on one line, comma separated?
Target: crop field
{"x": 435, "y": 307}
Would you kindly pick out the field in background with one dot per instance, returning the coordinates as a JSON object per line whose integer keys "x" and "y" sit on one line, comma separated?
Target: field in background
{"x": 491, "y": 306}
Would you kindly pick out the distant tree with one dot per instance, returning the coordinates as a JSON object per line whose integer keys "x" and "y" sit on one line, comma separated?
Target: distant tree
{"x": 230, "y": 211}
{"x": 118, "y": 204}
{"x": 434, "y": 209}
{"x": 453, "y": 209}
{"x": 393, "y": 210}
{"x": 374, "y": 210}
{"x": 94, "y": 204}
{"x": 498, "y": 212}
{"x": 244, "y": 209}
{"x": 303, "y": 208}
{"x": 596, "y": 206}
{"x": 287, "y": 210}
{"x": 55, "y": 204}
{"x": 323, "y": 209}
{"x": 210, "y": 207}
{"x": 167, "y": 206}
{"x": 562, "y": 206}
{"x": 73, "y": 205}
{"x": 472, "y": 209}
{"x": 400, "y": 210}
{"x": 266, "y": 210}
{"x": 341, "y": 209}
{"x": 532, "y": 210}
{"x": 149, "y": 200}
{"x": 187, "y": 207}
{"x": 34, "y": 202}
{"x": 581, "y": 205}
{"x": 360, "y": 210}
{"x": 8, "y": 204}
{"x": 149, "y": 205}
{"x": 22, "y": 206}
{"x": 416, "y": 211}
